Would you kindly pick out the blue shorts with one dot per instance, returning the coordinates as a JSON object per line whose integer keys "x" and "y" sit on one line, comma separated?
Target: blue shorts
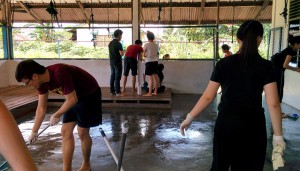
{"x": 87, "y": 112}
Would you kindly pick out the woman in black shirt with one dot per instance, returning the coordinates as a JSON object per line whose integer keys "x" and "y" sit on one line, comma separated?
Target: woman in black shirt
{"x": 240, "y": 138}
{"x": 281, "y": 62}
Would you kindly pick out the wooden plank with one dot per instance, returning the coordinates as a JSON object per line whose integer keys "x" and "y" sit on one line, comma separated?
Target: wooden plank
{"x": 17, "y": 96}
{"x": 31, "y": 13}
{"x": 165, "y": 96}
{"x": 10, "y": 88}
{"x": 83, "y": 11}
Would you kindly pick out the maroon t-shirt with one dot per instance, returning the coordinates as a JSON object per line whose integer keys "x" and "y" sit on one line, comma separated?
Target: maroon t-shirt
{"x": 133, "y": 50}
{"x": 65, "y": 78}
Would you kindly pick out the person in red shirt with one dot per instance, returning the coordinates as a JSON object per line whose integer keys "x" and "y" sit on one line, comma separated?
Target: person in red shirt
{"x": 130, "y": 63}
{"x": 82, "y": 107}
{"x": 225, "y": 49}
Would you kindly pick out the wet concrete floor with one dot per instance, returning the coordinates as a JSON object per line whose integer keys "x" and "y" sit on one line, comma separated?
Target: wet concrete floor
{"x": 153, "y": 141}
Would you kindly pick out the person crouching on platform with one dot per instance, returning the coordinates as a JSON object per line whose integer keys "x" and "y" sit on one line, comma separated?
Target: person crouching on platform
{"x": 130, "y": 63}
{"x": 82, "y": 106}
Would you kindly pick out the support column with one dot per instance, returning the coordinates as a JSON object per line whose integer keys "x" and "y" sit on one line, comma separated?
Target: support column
{"x": 136, "y": 11}
{"x": 7, "y": 29}
{"x": 136, "y": 20}
{"x": 7, "y": 42}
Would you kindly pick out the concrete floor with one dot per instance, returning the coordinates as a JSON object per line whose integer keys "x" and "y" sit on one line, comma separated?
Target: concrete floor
{"x": 154, "y": 142}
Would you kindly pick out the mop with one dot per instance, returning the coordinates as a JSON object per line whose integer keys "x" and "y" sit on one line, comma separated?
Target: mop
{"x": 28, "y": 143}
{"x": 109, "y": 147}
{"x": 124, "y": 133}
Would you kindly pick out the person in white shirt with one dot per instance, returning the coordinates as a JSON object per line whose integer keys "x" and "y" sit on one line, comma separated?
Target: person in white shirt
{"x": 151, "y": 59}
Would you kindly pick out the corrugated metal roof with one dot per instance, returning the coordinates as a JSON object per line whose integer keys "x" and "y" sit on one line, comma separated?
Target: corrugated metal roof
{"x": 119, "y": 11}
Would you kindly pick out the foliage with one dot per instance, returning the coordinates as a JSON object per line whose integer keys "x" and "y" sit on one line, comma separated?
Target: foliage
{"x": 79, "y": 50}
{"x": 180, "y": 43}
{"x": 50, "y": 47}
{"x": 1, "y": 36}
{"x": 187, "y": 43}
{"x": 33, "y": 53}
{"x": 27, "y": 45}
{"x": 66, "y": 46}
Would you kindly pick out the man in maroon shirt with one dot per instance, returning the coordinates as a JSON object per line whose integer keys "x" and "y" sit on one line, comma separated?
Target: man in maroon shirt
{"x": 130, "y": 62}
{"x": 82, "y": 106}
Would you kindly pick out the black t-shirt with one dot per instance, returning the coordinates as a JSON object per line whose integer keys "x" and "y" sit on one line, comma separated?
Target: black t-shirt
{"x": 279, "y": 58}
{"x": 114, "y": 55}
{"x": 242, "y": 85}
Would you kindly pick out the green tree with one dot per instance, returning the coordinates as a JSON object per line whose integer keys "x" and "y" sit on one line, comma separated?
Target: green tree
{"x": 41, "y": 34}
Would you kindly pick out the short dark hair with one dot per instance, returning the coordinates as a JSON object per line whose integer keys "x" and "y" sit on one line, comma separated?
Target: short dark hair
{"x": 118, "y": 33}
{"x": 150, "y": 35}
{"x": 138, "y": 41}
{"x": 27, "y": 68}
{"x": 225, "y": 47}
{"x": 294, "y": 39}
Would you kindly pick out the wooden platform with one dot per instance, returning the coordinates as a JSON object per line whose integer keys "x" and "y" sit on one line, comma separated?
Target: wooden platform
{"x": 18, "y": 96}
{"x": 19, "y": 100}
{"x": 131, "y": 100}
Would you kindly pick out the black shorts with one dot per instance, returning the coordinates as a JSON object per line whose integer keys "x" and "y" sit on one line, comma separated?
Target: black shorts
{"x": 87, "y": 112}
{"x": 130, "y": 63}
{"x": 151, "y": 68}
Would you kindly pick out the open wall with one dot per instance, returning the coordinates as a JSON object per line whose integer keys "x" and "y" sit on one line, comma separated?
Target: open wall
{"x": 181, "y": 76}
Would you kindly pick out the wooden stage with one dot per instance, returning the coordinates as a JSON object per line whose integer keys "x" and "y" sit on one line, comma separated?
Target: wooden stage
{"x": 15, "y": 97}
{"x": 130, "y": 100}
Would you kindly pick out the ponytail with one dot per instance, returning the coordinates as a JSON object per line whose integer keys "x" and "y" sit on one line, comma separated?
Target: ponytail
{"x": 248, "y": 33}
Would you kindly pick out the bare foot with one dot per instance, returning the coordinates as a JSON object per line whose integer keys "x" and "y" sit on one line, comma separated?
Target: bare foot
{"x": 85, "y": 167}
{"x": 154, "y": 94}
{"x": 147, "y": 95}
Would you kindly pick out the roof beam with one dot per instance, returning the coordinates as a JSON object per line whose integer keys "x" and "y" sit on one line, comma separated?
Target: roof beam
{"x": 201, "y": 11}
{"x": 141, "y": 13}
{"x": 207, "y": 4}
{"x": 85, "y": 5}
{"x": 6, "y": 12}
{"x": 3, "y": 12}
{"x": 83, "y": 11}
{"x": 171, "y": 11}
{"x": 265, "y": 4}
{"x": 9, "y": 22}
{"x": 150, "y": 4}
{"x": 33, "y": 15}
